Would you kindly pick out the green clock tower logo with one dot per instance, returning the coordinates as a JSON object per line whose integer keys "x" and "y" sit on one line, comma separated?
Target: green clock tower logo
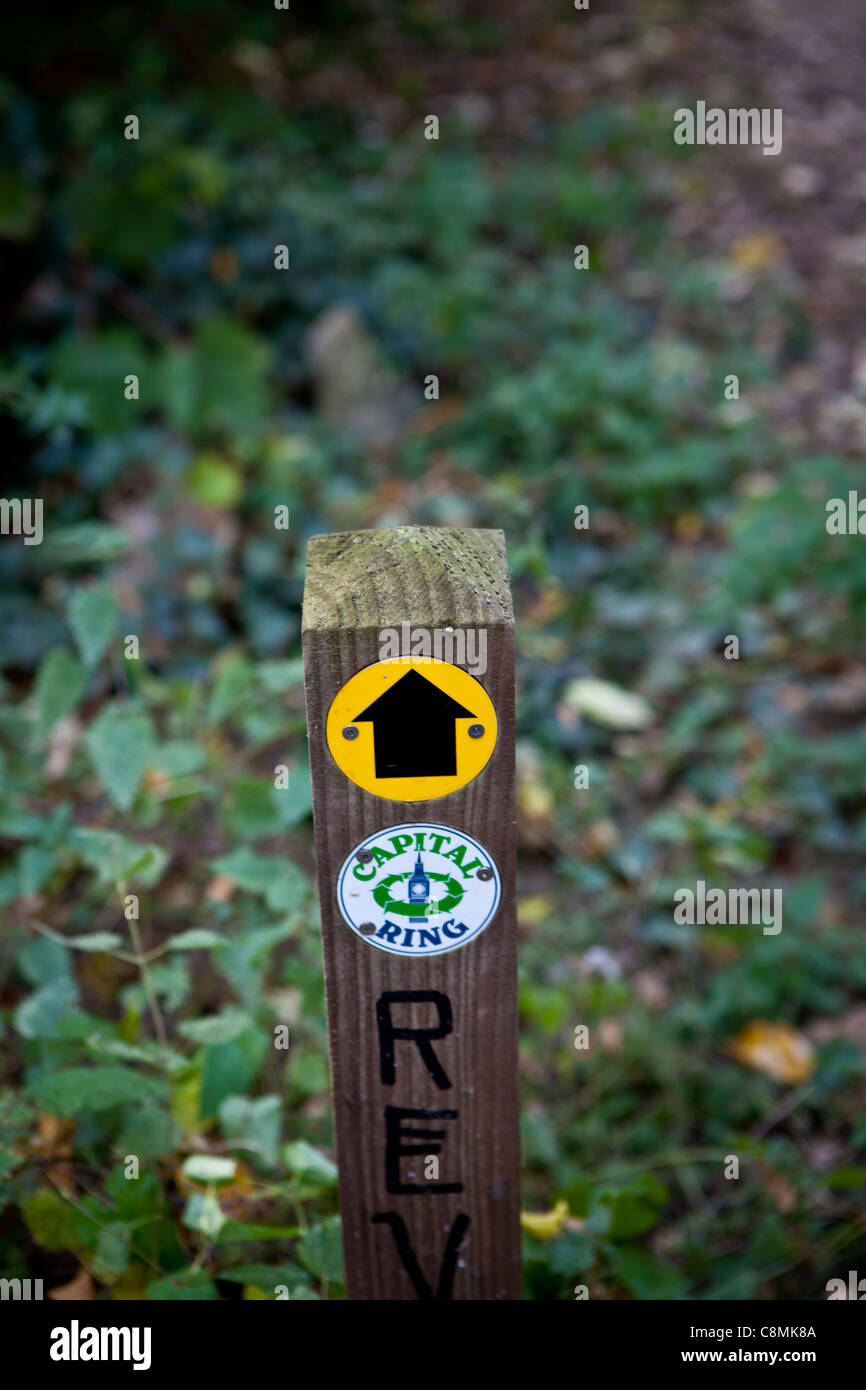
{"x": 418, "y": 889}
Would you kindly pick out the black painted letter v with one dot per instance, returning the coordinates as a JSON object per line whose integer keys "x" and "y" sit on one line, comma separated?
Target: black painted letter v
{"x": 410, "y": 1263}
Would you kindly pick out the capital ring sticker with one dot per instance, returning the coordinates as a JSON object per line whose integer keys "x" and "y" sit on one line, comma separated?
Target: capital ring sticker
{"x": 411, "y": 728}
{"x": 418, "y": 890}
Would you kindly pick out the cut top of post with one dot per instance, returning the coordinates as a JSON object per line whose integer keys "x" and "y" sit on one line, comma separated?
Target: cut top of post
{"x": 430, "y": 575}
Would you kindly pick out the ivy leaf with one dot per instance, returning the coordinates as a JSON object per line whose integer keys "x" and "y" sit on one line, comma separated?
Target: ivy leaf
{"x": 209, "y": 1168}
{"x": 84, "y": 543}
{"x": 59, "y": 686}
{"x": 189, "y": 1285}
{"x": 120, "y": 743}
{"x": 320, "y": 1250}
{"x": 116, "y": 859}
{"x": 645, "y": 1274}
{"x": 267, "y": 1277}
{"x": 256, "y": 1123}
{"x": 204, "y": 1213}
{"x": 73, "y": 1089}
{"x": 94, "y": 941}
{"x": 89, "y": 941}
{"x": 38, "y": 1016}
{"x": 196, "y": 939}
{"x": 306, "y": 1162}
{"x": 50, "y": 1220}
{"x": 93, "y": 619}
{"x": 216, "y": 1028}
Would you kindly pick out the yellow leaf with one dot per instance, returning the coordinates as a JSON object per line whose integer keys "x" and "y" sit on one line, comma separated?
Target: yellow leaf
{"x": 755, "y": 252}
{"x": 776, "y": 1050}
{"x": 534, "y": 908}
{"x": 544, "y": 1225}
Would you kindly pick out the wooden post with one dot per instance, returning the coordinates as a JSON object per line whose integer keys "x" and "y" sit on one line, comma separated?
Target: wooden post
{"x": 417, "y": 892}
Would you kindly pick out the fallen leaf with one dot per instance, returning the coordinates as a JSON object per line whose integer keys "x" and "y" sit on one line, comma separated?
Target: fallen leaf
{"x": 651, "y": 989}
{"x": 533, "y": 909}
{"x": 544, "y": 1225}
{"x": 781, "y": 1191}
{"x": 534, "y": 797}
{"x": 600, "y": 838}
{"x": 850, "y": 1025}
{"x": 607, "y": 704}
{"x": 548, "y": 603}
{"x": 610, "y": 1034}
{"x": 776, "y": 1050}
{"x": 78, "y": 1290}
{"x": 220, "y": 889}
{"x": 689, "y": 526}
{"x": 757, "y": 251}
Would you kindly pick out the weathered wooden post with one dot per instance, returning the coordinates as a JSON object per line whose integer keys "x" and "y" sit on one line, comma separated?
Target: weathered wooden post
{"x": 409, "y": 662}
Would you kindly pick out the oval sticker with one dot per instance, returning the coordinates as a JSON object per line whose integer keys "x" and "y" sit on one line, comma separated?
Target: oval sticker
{"x": 418, "y": 890}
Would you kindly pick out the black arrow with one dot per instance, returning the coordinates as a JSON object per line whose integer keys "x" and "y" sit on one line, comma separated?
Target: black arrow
{"x": 413, "y": 729}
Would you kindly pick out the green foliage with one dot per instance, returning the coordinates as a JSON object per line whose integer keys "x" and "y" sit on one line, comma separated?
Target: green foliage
{"x": 159, "y": 916}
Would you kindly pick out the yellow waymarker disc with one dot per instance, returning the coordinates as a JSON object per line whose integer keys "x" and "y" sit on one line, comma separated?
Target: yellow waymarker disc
{"x": 411, "y": 728}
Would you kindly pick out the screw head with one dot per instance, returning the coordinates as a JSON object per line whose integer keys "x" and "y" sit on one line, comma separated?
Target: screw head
{"x": 484, "y": 874}
{"x": 367, "y": 928}
{"x": 350, "y": 731}
{"x": 364, "y": 856}
{"x": 475, "y": 730}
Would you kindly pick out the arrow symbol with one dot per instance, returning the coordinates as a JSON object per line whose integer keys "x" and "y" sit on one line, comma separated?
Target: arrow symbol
{"x": 414, "y": 733}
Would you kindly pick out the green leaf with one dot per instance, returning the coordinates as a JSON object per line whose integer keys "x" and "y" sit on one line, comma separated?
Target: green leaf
{"x": 189, "y": 1285}
{"x": 204, "y": 1213}
{"x": 219, "y": 383}
{"x": 846, "y": 1179}
{"x": 42, "y": 960}
{"x": 35, "y": 866}
{"x": 280, "y": 881}
{"x": 196, "y": 939}
{"x": 266, "y": 1277}
{"x": 628, "y": 1212}
{"x": 234, "y": 687}
{"x": 39, "y": 1015}
{"x": 280, "y": 676}
{"x": 149, "y": 1131}
{"x": 216, "y": 1028}
{"x": 306, "y": 1162}
{"x": 648, "y": 1276}
{"x": 86, "y": 543}
{"x": 50, "y": 1220}
{"x": 214, "y": 482}
{"x": 93, "y": 619}
{"x": 59, "y": 686}
{"x": 117, "y": 859}
{"x": 320, "y": 1250}
{"x": 209, "y": 1168}
{"x": 120, "y": 743}
{"x": 92, "y": 941}
{"x": 255, "y": 1123}
{"x": 111, "y": 1256}
{"x": 230, "y": 1068}
{"x": 152, "y": 1053}
{"x": 71, "y": 1090}
{"x": 240, "y": 1232}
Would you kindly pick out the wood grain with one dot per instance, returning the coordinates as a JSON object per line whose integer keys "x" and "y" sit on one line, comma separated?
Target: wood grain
{"x": 357, "y": 583}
